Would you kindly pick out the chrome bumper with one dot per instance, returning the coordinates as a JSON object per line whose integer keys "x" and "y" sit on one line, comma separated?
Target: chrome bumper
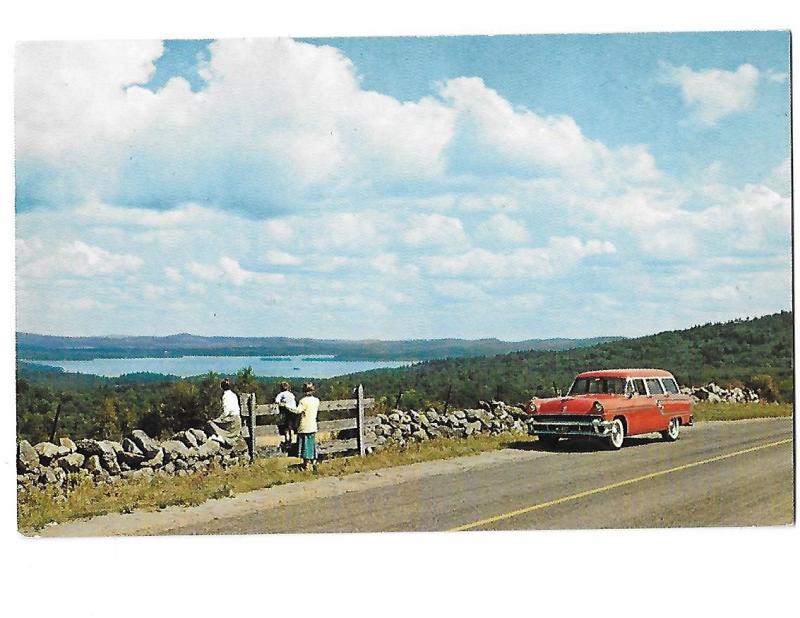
{"x": 588, "y": 427}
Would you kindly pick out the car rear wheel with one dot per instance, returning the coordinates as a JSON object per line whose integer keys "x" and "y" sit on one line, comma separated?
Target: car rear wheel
{"x": 617, "y": 435}
{"x": 674, "y": 428}
{"x": 548, "y": 441}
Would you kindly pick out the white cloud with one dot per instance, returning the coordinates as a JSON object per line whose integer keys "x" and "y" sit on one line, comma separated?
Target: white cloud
{"x": 72, "y": 259}
{"x": 780, "y": 180}
{"x": 490, "y": 131}
{"x": 228, "y": 270}
{"x": 501, "y": 229}
{"x": 281, "y": 258}
{"x": 713, "y": 94}
{"x": 434, "y": 230}
{"x": 778, "y": 77}
{"x": 561, "y": 255}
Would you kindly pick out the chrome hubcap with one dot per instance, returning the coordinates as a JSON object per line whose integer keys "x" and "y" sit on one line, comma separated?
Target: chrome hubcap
{"x": 673, "y": 427}
{"x": 616, "y": 433}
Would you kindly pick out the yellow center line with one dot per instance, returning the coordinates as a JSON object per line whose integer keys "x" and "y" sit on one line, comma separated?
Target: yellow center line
{"x": 597, "y": 490}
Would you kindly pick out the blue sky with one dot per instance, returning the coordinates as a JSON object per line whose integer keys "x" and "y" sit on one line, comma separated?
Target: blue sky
{"x": 506, "y": 186}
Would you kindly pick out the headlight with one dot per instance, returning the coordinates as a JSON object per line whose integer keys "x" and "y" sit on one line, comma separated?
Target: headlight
{"x": 532, "y": 407}
{"x": 597, "y": 407}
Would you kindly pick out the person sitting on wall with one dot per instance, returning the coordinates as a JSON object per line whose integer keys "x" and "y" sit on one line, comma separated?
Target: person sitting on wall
{"x": 307, "y": 410}
{"x": 227, "y": 428}
{"x": 286, "y": 403}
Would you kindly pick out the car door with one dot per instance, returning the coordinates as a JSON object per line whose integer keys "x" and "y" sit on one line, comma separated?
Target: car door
{"x": 639, "y": 408}
{"x": 657, "y": 419}
{"x": 675, "y": 403}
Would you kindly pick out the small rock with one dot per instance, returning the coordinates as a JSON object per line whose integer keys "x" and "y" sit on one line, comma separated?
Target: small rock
{"x": 27, "y": 457}
{"x": 47, "y": 452}
{"x": 199, "y": 435}
{"x": 146, "y": 444}
{"x": 208, "y": 449}
{"x": 71, "y": 462}
{"x": 187, "y": 437}
{"x": 174, "y": 449}
{"x": 68, "y": 444}
{"x": 129, "y": 446}
{"x": 132, "y": 460}
{"x": 155, "y": 461}
{"x": 92, "y": 464}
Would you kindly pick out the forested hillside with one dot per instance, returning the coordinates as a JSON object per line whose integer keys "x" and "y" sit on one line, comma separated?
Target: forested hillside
{"x": 755, "y": 352}
{"x": 725, "y": 352}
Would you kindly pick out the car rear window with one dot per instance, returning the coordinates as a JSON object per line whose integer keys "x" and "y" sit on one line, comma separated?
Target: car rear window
{"x": 670, "y": 385}
{"x": 654, "y": 386}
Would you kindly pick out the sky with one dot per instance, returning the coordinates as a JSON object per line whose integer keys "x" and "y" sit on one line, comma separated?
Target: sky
{"x": 507, "y": 186}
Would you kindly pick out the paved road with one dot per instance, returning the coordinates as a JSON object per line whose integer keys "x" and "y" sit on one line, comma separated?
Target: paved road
{"x": 716, "y": 474}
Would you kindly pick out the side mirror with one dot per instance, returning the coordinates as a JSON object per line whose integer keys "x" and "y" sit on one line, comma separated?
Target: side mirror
{"x": 630, "y": 394}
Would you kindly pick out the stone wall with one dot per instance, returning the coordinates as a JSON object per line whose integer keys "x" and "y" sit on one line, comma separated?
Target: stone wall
{"x": 401, "y": 427}
{"x": 716, "y": 394}
{"x": 67, "y": 463}
{"x": 63, "y": 465}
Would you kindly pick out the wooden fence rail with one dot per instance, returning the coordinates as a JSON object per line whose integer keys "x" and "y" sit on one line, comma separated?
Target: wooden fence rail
{"x": 340, "y": 429}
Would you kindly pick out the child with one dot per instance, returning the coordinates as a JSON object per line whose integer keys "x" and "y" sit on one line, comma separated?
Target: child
{"x": 286, "y": 403}
{"x": 307, "y": 428}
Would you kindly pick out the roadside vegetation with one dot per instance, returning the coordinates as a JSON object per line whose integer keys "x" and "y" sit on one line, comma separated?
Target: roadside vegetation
{"x": 705, "y": 411}
{"x": 43, "y": 506}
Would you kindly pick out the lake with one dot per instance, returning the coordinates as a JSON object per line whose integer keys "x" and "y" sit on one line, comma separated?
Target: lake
{"x": 306, "y": 366}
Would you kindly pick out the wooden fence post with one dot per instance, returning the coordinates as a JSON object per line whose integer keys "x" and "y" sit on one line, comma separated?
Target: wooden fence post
{"x": 55, "y": 422}
{"x": 251, "y": 425}
{"x": 360, "y": 419}
{"x": 397, "y": 401}
{"x": 447, "y": 399}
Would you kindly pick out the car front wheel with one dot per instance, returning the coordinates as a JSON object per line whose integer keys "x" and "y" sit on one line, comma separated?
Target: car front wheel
{"x": 674, "y": 428}
{"x": 617, "y": 435}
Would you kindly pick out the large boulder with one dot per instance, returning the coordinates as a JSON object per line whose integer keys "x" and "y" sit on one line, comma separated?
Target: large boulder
{"x": 27, "y": 457}
{"x": 72, "y": 462}
{"x": 47, "y": 452}
{"x": 146, "y": 444}
{"x": 174, "y": 449}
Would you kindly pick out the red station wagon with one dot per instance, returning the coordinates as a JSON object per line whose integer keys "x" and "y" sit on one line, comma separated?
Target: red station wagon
{"x": 611, "y": 404}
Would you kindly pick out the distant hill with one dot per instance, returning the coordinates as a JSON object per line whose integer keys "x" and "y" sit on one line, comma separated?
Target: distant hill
{"x": 49, "y": 347}
{"x": 725, "y": 352}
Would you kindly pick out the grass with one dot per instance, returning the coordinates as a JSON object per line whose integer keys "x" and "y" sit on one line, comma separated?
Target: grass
{"x": 41, "y": 507}
{"x": 705, "y": 411}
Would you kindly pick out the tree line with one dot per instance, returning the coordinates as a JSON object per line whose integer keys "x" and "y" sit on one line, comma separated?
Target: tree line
{"x": 751, "y": 352}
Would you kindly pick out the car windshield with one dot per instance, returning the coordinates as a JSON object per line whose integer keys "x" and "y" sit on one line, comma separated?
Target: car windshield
{"x": 588, "y": 386}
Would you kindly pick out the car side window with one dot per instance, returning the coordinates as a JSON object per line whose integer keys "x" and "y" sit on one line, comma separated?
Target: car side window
{"x": 670, "y": 385}
{"x": 638, "y": 385}
{"x": 654, "y": 386}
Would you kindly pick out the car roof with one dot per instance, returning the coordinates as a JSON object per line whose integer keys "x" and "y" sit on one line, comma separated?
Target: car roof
{"x": 626, "y": 373}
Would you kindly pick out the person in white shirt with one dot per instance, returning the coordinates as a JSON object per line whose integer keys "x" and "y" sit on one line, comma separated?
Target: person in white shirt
{"x": 227, "y": 427}
{"x": 286, "y": 403}
{"x": 307, "y": 410}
